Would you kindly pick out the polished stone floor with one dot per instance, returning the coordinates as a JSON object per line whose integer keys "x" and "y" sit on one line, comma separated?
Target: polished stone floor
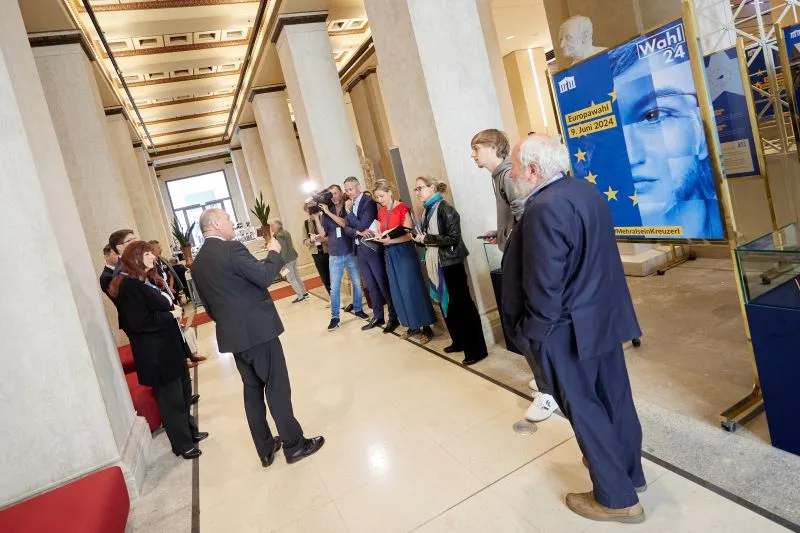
{"x": 415, "y": 443}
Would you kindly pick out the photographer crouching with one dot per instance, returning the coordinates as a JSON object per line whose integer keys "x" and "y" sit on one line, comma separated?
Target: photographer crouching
{"x": 328, "y": 209}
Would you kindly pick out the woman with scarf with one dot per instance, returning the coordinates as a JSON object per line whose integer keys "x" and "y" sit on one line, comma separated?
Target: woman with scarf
{"x": 149, "y": 317}
{"x": 406, "y": 284}
{"x": 444, "y": 258}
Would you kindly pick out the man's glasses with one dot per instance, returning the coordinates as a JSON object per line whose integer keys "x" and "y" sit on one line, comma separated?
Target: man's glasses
{"x": 128, "y": 241}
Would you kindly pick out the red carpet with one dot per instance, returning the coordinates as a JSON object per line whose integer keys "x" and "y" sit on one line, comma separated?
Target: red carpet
{"x": 277, "y": 294}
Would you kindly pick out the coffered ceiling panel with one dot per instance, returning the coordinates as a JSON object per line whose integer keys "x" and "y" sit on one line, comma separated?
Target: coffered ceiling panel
{"x": 179, "y": 61}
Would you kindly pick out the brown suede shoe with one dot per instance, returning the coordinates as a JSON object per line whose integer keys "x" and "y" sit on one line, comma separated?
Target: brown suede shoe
{"x": 586, "y": 506}
{"x": 641, "y": 489}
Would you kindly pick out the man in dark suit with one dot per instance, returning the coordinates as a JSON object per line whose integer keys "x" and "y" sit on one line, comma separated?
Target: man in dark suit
{"x": 107, "y": 275}
{"x": 362, "y": 211}
{"x": 565, "y": 298}
{"x": 233, "y": 287}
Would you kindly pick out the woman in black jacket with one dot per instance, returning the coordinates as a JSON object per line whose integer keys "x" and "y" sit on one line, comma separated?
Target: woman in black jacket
{"x": 149, "y": 318}
{"x": 444, "y": 258}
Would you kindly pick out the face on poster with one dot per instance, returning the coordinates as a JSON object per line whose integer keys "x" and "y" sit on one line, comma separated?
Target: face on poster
{"x": 634, "y": 129}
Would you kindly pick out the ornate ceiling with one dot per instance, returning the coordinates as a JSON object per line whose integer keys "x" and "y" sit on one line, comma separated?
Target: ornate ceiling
{"x": 183, "y": 68}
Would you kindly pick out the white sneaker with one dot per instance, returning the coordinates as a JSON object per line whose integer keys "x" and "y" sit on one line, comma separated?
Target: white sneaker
{"x": 532, "y": 384}
{"x": 541, "y": 409}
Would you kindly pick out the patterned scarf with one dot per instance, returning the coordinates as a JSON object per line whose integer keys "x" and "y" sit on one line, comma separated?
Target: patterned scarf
{"x": 436, "y": 284}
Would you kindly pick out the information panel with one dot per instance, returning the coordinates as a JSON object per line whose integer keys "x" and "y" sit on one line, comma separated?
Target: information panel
{"x": 737, "y": 137}
{"x": 633, "y": 127}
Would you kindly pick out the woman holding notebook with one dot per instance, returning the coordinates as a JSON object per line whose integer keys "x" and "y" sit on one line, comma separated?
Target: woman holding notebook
{"x": 409, "y": 293}
{"x": 445, "y": 254}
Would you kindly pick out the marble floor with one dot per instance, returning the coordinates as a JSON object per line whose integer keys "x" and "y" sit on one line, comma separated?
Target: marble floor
{"x": 415, "y": 443}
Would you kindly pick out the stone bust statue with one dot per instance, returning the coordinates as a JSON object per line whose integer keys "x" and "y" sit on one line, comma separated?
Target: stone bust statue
{"x": 575, "y": 39}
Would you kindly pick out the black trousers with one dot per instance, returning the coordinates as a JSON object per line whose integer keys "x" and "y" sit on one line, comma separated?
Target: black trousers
{"x": 173, "y": 400}
{"x": 463, "y": 321}
{"x": 321, "y": 261}
{"x": 263, "y": 367}
{"x": 595, "y": 395}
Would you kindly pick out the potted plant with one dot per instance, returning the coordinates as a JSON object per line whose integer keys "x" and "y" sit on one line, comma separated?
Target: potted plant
{"x": 184, "y": 240}
{"x": 261, "y": 211}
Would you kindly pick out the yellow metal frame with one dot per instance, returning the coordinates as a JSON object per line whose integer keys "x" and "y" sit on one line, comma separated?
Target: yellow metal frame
{"x": 753, "y": 403}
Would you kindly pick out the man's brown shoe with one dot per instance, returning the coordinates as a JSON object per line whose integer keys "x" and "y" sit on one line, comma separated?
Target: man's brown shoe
{"x": 641, "y": 489}
{"x": 586, "y": 506}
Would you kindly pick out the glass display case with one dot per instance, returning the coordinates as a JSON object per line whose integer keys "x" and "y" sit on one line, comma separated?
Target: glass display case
{"x": 770, "y": 268}
{"x": 770, "y": 273}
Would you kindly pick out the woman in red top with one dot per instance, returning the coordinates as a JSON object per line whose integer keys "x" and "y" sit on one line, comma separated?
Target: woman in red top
{"x": 409, "y": 292}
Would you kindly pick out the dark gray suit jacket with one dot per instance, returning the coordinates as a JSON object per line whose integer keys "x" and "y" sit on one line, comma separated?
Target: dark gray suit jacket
{"x": 233, "y": 286}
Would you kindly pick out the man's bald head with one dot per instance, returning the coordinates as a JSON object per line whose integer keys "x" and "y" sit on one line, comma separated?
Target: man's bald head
{"x": 536, "y": 158}
{"x": 216, "y": 223}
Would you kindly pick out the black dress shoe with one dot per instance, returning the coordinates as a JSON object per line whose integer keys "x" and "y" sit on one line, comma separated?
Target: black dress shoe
{"x": 266, "y": 461}
{"x": 468, "y": 362}
{"x": 194, "y": 453}
{"x": 373, "y": 324}
{"x": 453, "y": 349}
{"x": 309, "y": 447}
{"x": 201, "y": 435}
{"x": 362, "y": 315}
{"x": 392, "y": 325}
{"x": 194, "y": 399}
{"x": 348, "y": 308}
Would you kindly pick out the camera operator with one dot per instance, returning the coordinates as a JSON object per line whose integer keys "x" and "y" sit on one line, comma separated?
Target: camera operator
{"x": 340, "y": 248}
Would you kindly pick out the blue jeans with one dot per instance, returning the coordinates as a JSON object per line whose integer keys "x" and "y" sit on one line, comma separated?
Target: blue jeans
{"x": 338, "y": 264}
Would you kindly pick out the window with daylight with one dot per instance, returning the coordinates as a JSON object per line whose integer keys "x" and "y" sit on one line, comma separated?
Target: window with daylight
{"x": 193, "y": 195}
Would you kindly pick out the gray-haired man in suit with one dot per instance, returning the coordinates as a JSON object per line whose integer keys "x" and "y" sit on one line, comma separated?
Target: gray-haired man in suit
{"x": 233, "y": 286}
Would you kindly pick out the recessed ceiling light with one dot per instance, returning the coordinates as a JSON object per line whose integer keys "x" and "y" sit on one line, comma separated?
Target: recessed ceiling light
{"x": 510, "y": 37}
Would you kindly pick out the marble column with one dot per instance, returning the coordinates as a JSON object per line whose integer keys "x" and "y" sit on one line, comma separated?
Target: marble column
{"x": 312, "y": 81}
{"x": 164, "y": 213}
{"x": 122, "y": 149}
{"x": 161, "y": 231}
{"x": 285, "y": 164}
{"x": 439, "y": 93}
{"x": 245, "y": 182}
{"x": 258, "y": 171}
{"x": 235, "y": 189}
{"x": 373, "y": 124}
{"x": 68, "y": 410}
{"x": 526, "y": 71}
{"x": 74, "y": 101}
{"x": 98, "y": 185}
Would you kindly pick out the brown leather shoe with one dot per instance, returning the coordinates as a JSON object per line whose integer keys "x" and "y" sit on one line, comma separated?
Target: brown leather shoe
{"x": 586, "y": 506}
{"x": 641, "y": 489}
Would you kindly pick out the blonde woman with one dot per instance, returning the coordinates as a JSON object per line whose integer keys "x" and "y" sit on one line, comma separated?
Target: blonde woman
{"x": 444, "y": 258}
{"x": 407, "y": 286}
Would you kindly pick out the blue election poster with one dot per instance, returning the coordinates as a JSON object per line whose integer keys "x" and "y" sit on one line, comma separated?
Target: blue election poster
{"x": 792, "y": 37}
{"x": 633, "y": 127}
{"x": 736, "y": 137}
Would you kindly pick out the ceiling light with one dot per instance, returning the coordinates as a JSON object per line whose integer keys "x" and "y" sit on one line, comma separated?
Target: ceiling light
{"x": 510, "y": 37}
